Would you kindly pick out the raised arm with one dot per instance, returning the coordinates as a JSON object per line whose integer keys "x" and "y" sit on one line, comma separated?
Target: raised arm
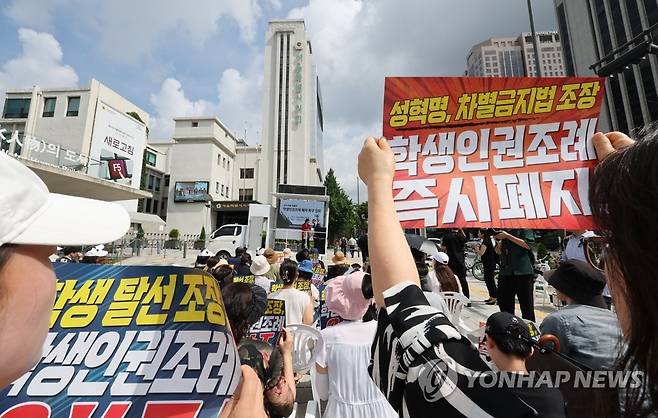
{"x": 390, "y": 258}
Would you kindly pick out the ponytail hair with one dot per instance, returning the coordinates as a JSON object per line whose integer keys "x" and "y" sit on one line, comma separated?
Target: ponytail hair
{"x": 288, "y": 272}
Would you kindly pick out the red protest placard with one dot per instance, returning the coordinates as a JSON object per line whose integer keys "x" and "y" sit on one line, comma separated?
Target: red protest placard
{"x": 492, "y": 152}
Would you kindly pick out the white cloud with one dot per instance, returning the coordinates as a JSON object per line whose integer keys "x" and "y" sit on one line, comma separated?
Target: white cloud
{"x": 237, "y": 104}
{"x": 357, "y": 43}
{"x": 130, "y": 30}
{"x": 40, "y": 63}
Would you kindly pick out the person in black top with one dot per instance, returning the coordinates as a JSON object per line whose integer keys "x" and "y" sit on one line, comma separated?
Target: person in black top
{"x": 508, "y": 342}
{"x": 487, "y": 253}
{"x": 454, "y": 242}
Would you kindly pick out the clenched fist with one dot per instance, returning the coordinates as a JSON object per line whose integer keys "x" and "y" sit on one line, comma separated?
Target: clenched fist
{"x": 376, "y": 164}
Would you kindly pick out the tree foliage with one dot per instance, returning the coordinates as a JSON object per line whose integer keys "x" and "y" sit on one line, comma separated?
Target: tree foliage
{"x": 341, "y": 210}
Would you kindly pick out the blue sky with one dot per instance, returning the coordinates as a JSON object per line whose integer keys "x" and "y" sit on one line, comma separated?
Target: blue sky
{"x": 173, "y": 59}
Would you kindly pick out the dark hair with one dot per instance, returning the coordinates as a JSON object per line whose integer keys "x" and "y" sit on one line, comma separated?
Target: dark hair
{"x": 366, "y": 286}
{"x": 282, "y": 410}
{"x": 336, "y": 270}
{"x": 512, "y": 346}
{"x": 212, "y": 262}
{"x": 5, "y": 252}
{"x": 356, "y": 266}
{"x": 245, "y": 258}
{"x": 89, "y": 259}
{"x": 305, "y": 275}
{"x": 307, "y": 220}
{"x": 445, "y": 277}
{"x": 488, "y": 232}
{"x": 624, "y": 201}
{"x": 238, "y": 301}
{"x": 303, "y": 255}
{"x": 423, "y": 271}
{"x": 239, "y": 251}
{"x": 70, "y": 250}
{"x": 288, "y": 272}
{"x": 223, "y": 275}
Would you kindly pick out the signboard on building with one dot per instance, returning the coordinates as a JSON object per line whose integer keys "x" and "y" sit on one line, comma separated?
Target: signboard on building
{"x": 117, "y": 146}
{"x": 492, "y": 152}
{"x": 293, "y": 212}
{"x": 130, "y": 341}
{"x": 191, "y": 191}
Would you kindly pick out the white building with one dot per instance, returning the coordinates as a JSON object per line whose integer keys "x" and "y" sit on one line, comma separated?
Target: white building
{"x": 85, "y": 142}
{"x": 515, "y": 57}
{"x": 201, "y": 171}
{"x": 292, "y": 111}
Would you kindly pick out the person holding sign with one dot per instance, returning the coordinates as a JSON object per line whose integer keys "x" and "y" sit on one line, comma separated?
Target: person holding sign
{"x": 299, "y": 307}
{"x": 33, "y": 222}
{"x": 418, "y": 356}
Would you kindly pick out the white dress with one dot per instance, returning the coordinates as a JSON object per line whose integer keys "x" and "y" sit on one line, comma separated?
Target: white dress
{"x": 346, "y": 353}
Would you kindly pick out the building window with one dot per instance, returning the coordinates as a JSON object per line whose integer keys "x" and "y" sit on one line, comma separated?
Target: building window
{"x": 195, "y": 124}
{"x": 228, "y": 164}
{"x": 147, "y": 207}
{"x": 157, "y": 184}
{"x": 151, "y": 181}
{"x": 16, "y": 108}
{"x": 166, "y": 181}
{"x": 150, "y": 158}
{"x": 246, "y": 195}
{"x": 219, "y": 159}
{"x": 49, "y": 107}
{"x": 217, "y": 187}
{"x": 223, "y": 162}
{"x": 155, "y": 207}
{"x": 222, "y": 190}
{"x": 227, "y": 193}
{"x": 73, "y": 106}
{"x": 140, "y": 205}
{"x": 246, "y": 173}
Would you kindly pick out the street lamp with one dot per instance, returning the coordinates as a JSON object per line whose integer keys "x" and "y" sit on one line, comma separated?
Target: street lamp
{"x": 534, "y": 39}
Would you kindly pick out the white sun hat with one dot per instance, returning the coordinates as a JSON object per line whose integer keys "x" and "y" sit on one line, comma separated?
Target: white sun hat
{"x": 30, "y": 214}
{"x": 96, "y": 252}
{"x": 206, "y": 253}
{"x": 259, "y": 265}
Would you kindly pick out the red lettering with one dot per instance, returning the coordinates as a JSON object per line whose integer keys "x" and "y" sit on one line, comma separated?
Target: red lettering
{"x": 169, "y": 409}
{"x": 28, "y": 409}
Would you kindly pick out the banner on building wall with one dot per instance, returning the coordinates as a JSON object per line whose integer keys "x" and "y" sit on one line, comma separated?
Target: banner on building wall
{"x": 117, "y": 146}
{"x": 492, "y": 152}
{"x": 129, "y": 341}
{"x": 293, "y": 213}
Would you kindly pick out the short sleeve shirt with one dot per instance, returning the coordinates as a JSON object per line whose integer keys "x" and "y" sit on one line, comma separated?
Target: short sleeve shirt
{"x": 419, "y": 361}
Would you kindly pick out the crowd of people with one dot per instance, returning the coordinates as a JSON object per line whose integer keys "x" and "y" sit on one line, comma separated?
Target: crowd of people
{"x": 396, "y": 347}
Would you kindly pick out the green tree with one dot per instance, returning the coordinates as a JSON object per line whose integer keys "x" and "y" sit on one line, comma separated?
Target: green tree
{"x": 341, "y": 210}
{"x": 361, "y": 217}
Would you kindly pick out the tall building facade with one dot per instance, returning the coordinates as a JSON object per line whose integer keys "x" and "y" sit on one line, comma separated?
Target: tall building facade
{"x": 515, "y": 57}
{"x": 292, "y": 111}
{"x": 591, "y": 30}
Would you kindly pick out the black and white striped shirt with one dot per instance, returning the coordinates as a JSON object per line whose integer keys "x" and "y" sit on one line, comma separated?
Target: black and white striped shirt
{"x": 421, "y": 363}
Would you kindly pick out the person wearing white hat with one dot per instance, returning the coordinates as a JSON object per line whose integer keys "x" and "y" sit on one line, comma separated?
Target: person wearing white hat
{"x": 442, "y": 279}
{"x": 33, "y": 222}
{"x": 93, "y": 254}
{"x": 259, "y": 268}
{"x": 202, "y": 258}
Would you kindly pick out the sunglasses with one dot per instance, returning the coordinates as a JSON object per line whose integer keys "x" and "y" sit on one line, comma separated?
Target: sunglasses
{"x": 596, "y": 249}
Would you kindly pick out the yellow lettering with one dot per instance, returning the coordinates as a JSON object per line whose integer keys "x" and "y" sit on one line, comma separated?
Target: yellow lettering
{"x": 78, "y": 316}
{"x": 120, "y": 314}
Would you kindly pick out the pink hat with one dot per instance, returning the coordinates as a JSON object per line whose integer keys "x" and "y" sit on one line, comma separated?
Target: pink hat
{"x": 344, "y": 296}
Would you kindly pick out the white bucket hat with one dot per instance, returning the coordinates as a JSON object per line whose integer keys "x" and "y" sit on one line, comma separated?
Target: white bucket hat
{"x": 206, "y": 253}
{"x": 30, "y": 214}
{"x": 96, "y": 252}
{"x": 259, "y": 265}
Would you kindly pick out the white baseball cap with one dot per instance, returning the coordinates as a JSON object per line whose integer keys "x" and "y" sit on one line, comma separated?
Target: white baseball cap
{"x": 30, "y": 214}
{"x": 441, "y": 257}
{"x": 206, "y": 253}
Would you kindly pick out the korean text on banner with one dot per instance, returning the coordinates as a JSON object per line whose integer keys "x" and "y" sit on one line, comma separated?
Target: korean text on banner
{"x": 270, "y": 326}
{"x": 130, "y": 341}
{"x": 492, "y": 152}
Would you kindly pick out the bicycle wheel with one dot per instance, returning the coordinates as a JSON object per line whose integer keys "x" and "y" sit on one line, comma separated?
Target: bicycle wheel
{"x": 478, "y": 271}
